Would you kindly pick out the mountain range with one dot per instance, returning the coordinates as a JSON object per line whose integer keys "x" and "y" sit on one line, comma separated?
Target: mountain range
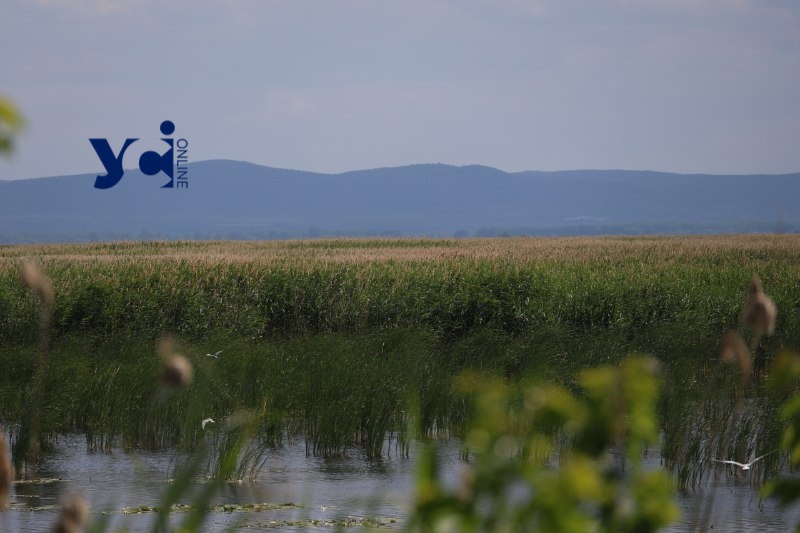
{"x": 238, "y": 200}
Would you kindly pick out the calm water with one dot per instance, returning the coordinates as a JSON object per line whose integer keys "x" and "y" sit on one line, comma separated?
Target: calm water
{"x": 327, "y": 489}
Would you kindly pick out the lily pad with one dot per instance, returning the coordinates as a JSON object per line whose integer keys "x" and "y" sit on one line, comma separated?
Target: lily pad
{"x": 218, "y": 508}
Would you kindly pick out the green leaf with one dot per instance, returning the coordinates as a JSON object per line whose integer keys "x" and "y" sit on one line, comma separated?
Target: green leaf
{"x": 11, "y": 123}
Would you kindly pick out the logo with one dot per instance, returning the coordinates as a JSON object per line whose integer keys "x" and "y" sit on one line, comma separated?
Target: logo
{"x": 150, "y": 162}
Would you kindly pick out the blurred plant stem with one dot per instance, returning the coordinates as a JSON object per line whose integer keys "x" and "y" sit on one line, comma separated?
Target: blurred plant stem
{"x": 27, "y": 446}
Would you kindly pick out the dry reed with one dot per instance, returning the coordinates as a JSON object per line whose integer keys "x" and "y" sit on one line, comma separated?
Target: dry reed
{"x": 759, "y": 311}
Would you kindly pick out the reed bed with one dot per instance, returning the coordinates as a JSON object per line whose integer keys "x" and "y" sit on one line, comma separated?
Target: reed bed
{"x": 338, "y": 341}
{"x": 265, "y": 290}
{"x": 333, "y": 390}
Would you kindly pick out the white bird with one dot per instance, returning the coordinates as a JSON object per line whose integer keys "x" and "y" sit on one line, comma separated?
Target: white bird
{"x": 745, "y": 466}
{"x": 207, "y": 421}
{"x": 214, "y": 355}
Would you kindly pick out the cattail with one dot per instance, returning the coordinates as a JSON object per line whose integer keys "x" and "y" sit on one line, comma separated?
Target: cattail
{"x": 759, "y": 310}
{"x": 166, "y": 346}
{"x": 33, "y": 278}
{"x": 6, "y": 473}
{"x": 733, "y": 350}
{"x": 177, "y": 371}
{"x": 74, "y": 514}
{"x": 466, "y": 489}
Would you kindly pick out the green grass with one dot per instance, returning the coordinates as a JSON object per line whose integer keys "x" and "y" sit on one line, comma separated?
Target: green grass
{"x": 340, "y": 391}
{"x": 340, "y": 341}
{"x": 304, "y": 288}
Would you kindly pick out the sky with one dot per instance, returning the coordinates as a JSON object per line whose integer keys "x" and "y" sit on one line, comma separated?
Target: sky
{"x": 707, "y": 86}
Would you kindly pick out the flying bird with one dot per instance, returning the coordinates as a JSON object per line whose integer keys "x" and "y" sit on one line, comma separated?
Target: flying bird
{"x": 745, "y": 466}
{"x": 207, "y": 421}
{"x": 214, "y": 355}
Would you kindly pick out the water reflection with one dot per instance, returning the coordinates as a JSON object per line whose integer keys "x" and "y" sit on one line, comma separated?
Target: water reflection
{"x": 326, "y": 488}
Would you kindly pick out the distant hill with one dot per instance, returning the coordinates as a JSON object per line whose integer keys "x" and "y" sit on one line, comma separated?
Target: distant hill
{"x": 237, "y": 200}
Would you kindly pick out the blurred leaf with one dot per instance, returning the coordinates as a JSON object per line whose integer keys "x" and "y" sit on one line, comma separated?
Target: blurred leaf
{"x": 655, "y": 501}
{"x": 785, "y": 372}
{"x": 10, "y": 115}
{"x": 785, "y": 490}
{"x": 783, "y": 380}
{"x": 512, "y": 437}
{"x": 11, "y": 123}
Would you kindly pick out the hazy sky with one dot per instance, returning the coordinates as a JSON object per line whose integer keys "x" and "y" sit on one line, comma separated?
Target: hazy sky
{"x": 332, "y": 85}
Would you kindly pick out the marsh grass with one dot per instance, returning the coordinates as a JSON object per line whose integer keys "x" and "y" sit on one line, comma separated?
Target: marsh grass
{"x": 265, "y": 290}
{"x": 706, "y": 415}
{"x": 338, "y": 392}
{"x": 355, "y": 343}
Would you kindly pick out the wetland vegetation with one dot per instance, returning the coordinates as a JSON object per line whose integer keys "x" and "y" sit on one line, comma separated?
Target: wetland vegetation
{"x": 361, "y": 344}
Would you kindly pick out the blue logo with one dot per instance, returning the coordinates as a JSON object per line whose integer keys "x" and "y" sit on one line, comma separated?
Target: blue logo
{"x": 150, "y": 162}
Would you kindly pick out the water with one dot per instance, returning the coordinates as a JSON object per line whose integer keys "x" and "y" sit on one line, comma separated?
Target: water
{"x": 735, "y": 506}
{"x": 332, "y": 489}
{"x": 347, "y": 488}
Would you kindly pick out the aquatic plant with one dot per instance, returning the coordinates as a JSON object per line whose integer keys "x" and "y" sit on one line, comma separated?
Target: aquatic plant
{"x": 722, "y": 410}
{"x": 365, "y": 337}
{"x": 268, "y": 290}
